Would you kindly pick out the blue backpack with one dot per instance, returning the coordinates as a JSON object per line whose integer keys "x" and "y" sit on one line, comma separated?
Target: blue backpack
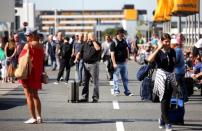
{"x": 144, "y": 71}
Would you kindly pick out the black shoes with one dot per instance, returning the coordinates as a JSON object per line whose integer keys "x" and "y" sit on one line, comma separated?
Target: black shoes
{"x": 95, "y": 101}
{"x": 83, "y": 100}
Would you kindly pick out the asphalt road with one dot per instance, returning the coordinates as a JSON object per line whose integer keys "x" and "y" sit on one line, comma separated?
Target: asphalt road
{"x": 111, "y": 113}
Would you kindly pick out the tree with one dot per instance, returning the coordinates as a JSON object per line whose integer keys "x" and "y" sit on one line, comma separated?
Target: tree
{"x": 109, "y": 31}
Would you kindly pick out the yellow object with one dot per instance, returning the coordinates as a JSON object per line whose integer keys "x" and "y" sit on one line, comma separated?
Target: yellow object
{"x": 130, "y": 14}
{"x": 185, "y": 7}
{"x": 163, "y": 11}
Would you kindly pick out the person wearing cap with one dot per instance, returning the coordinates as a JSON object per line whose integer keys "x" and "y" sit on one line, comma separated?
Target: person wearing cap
{"x": 32, "y": 84}
{"x": 119, "y": 55}
{"x": 180, "y": 64}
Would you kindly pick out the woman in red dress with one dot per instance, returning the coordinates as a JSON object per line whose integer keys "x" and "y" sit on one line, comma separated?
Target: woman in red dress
{"x": 32, "y": 84}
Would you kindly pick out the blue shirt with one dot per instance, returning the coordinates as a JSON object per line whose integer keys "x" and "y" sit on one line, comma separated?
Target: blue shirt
{"x": 198, "y": 68}
{"x": 180, "y": 64}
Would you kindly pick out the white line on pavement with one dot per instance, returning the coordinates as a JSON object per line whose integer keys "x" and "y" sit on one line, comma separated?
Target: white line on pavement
{"x": 111, "y": 83}
{"x": 112, "y": 91}
{"x": 116, "y": 105}
{"x": 119, "y": 126}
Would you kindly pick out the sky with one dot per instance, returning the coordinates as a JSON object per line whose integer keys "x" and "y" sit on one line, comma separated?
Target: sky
{"x": 149, "y": 5}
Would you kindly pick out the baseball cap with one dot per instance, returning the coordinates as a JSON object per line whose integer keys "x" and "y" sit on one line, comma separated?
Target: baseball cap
{"x": 30, "y": 31}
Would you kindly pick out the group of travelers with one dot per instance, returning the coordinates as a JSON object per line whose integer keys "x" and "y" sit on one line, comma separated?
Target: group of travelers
{"x": 173, "y": 64}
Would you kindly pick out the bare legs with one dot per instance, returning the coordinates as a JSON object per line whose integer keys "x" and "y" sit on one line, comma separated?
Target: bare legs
{"x": 33, "y": 101}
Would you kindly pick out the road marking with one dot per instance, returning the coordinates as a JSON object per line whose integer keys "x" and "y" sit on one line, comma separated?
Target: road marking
{"x": 111, "y": 83}
{"x": 119, "y": 126}
{"x": 112, "y": 91}
{"x": 116, "y": 105}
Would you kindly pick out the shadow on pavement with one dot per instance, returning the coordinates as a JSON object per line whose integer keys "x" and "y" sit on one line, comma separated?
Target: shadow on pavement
{"x": 8, "y": 103}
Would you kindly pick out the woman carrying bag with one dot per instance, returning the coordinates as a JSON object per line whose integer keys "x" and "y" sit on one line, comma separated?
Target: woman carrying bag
{"x": 165, "y": 58}
{"x": 33, "y": 83}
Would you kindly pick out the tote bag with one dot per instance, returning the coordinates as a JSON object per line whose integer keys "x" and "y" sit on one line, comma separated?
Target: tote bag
{"x": 24, "y": 66}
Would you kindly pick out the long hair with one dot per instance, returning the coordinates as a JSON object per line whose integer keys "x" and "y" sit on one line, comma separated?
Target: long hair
{"x": 11, "y": 43}
{"x": 165, "y": 36}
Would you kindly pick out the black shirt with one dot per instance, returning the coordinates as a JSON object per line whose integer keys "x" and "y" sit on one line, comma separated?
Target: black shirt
{"x": 89, "y": 53}
{"x": 120, "y": 50}
{"x": 166, "y": 60}
{"x": 65, "y": 51}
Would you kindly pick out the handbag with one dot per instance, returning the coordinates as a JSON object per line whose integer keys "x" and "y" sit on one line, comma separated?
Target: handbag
{"x": 44, "y": 78}
{"x": 25, "y": 65}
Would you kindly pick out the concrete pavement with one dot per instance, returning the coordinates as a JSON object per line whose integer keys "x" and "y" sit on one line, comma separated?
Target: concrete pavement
{"x": 112, "y": 113}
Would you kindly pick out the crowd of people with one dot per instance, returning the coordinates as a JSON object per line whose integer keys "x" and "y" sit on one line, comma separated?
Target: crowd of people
{"x": 173, "y": 63}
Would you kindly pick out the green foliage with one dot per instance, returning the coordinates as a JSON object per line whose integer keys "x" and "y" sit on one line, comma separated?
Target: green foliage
{"x": 109, "y": 31}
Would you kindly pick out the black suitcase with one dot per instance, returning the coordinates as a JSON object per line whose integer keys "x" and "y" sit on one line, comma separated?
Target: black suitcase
{"x": 73, "y": 92}
{"x": 176, "y": 111}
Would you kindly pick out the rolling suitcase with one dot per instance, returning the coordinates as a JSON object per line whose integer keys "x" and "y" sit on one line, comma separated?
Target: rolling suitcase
{"x": 73, "y": 92}
{"x": 176, "y": 111}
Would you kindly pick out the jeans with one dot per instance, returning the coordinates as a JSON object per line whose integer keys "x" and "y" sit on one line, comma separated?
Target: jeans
{"x": 123, "y": 71}
{"x": 53, "y": 62}
{"x": 79, "y": 71}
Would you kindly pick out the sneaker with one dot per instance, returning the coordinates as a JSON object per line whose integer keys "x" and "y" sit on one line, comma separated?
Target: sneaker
{"x": 56, "y": 83}
{"x": 161, "y": 123}
{"x": 95, "y": 100}
{"x": 111, "y": 83}
{"x": 168, "y": 127}
{"x": 39, "y": 120}
{"x": 66, "y": 82}
{"x": 31, "y": 121}
{"x": 116, "y": 93}
{"x": 129, "y": 94}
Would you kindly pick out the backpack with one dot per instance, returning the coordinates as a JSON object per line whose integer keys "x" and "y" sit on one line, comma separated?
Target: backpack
{"x": 144, "y": 71}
